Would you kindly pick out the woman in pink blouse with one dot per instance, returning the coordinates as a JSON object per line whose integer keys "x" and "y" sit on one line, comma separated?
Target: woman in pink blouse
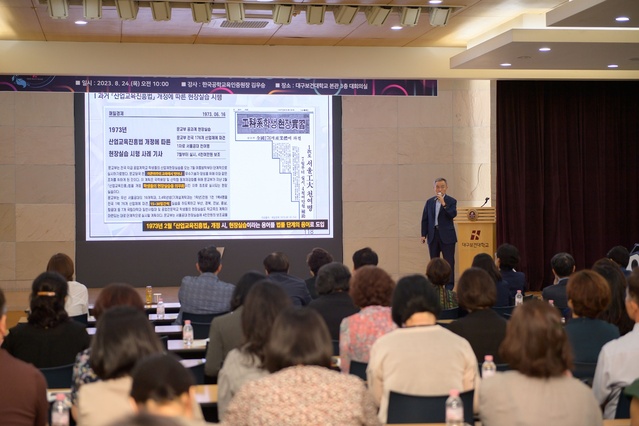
{"x": 371, "y": 289}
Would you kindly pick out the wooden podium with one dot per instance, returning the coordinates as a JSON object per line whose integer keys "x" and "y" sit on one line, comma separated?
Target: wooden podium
{"x": 476, "y": 234}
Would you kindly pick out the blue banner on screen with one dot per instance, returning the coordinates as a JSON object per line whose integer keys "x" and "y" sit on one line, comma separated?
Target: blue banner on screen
{"x": 244, "y": 86}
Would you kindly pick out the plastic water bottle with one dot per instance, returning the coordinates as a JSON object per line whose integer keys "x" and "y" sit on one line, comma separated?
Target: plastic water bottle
{"x": 519, "y": 298}
{"x": 60, "y": 411}
{"x": 488, "y": 368}
{"x": 454, "y": 409}
{"x": 160, "y": 309}
{"x": 187, "y": 333}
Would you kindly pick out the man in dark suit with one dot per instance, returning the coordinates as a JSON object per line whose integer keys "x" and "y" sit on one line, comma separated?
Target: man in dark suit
{"x": 562, "y": 265}
{"x": 438, "y": 227}
{"x": 276, "y": 265}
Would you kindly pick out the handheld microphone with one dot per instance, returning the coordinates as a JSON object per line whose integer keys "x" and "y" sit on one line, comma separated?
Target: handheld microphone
{"x": 487, "y": 198}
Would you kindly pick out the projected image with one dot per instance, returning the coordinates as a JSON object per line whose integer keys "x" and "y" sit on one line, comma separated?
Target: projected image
{"x": 197, "y": 166}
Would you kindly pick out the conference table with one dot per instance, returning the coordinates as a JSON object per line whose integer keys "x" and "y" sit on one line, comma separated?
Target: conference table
{"x": 174, "y": 331}
{"x": 204, "y": 394}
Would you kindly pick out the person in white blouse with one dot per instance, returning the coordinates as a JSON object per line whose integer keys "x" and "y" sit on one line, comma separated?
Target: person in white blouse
{"x": 77, "y": 301}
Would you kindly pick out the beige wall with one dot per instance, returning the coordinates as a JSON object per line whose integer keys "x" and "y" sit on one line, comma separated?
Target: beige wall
{"x": 393, "y": 148}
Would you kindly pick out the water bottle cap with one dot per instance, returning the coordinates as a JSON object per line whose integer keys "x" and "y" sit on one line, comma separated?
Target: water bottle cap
{"x": 518, "y": 291}
{"x": 187, "y": 322}
{"x": 454, "y": 392}
{"x": 488, "y": 358}
{"x": 60, "y": 397}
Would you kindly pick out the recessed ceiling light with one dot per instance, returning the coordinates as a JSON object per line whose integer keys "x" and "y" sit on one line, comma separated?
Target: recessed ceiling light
{"x": 80, "y": 22}
{"x": 622, "y": 19}
{"x": 397, "y": 27}
{"x": 435, "y": 1}
{"x": 506, "y": 64}
{"x": 544, "y": 49}
{"x": 613, "y": 66}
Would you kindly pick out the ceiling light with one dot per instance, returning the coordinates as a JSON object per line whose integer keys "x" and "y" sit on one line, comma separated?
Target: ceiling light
{"x": 376, "y": 15}
{"x": 344, "y": 15}
{"x": 234, "y": 12}
{"x": 80, "y": 22}
{"x": 58, "y": 9}
{"x": 161, "y": 10}
{"x": 315, "y": 14}
{"x": 283, "y": 14}
{"x": 127, "y": 9}
{"x": 409, "y": 16}
{"x": 505, "y": 64}
{"x": 613, "y": 66}
{"x": 201, "y": 12}
{"x": 622, "y": 19}
{"x": 397, "y": 27}
{"x": 544, "y": 49}
{"x": 438, "y": 16}
{"x": 435, "y": 2}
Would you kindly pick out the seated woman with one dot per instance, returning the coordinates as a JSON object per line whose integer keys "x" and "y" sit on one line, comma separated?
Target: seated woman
{"x": 302, "y": 390}
{"x": 438, "y": 272}
{"x": 615, "y": 313}
{"x": 114, "y": 294}
{"x": 77, "y": 302}
{"x": 263, "y": 303}
{"x": 485, "y": 262}
{"x": 588, "y": 295}
{"x": 507, "y": 259}
{"x": 371, "y": 289}
{"x": 484, "y": 328}
{"x": 539, "y": 390}
{"x": 50, "y": 338}
{"x": 421, "y": 357}
{"x": 124, "y": 335}
{"x": 226, "y": 330}
{"x": 164, "y": 387}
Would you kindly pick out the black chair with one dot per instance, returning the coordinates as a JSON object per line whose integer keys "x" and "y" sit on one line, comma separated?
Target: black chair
{"x": 449, "y": 314}
{"x": 502, "y": 367}
{"x": 358, "y": 369}
{"x": 82, "y": 319}
{"x": 165, "y": 342}
{"x": 623, "y": 406}
{"x": 201, "y": 329}
{"x": 58, "y": 377}
{"x": 504, "y": 311}
{"x": 584, "y": 371}
{"x": 335, "y": 347}
{"x": 404, "y": 408}
{"x": 201, "y": 318}
{"x": 198, "y": 373}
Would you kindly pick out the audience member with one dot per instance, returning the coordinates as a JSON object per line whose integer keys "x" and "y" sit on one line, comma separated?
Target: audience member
{"x": 421, "y": 357}
{"x": 23, "y": 394}
{"x": 484, "y": 328}
{"x": 164, "y": 387}
{"x": 263, "y": 303}
{"x": 562, "y": 265}
{"x": 617, "y": 365}
{"x": 226, "y": 330}
{"x": 438, "y": 272}
{"x": 507, "y": 259}
{"x": 317, "y": 258}
{"x": 334, "y": 303}
{"x": 114, "y": 294}
{"x": 77, "y": 302}
{"x": 621, "y": 256}
{"x": 371, "y": 289}
{"x": 124, "y": 335}
{"x": 302, "y": 390}
{"x": 206, "y": 293}
{"x": 277, "y": 265}
{"x": 615, "y": 313}
{"x": 363, "y": 257}
{"x": 144, "y": 419}
{"x": 588, "y": 295}
{"x": 539, "y": 390}
{"x": 485, "y": 262}
{"x": 50, "y": 338}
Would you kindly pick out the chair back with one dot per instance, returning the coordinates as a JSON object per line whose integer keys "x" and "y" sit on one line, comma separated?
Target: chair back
{"x": 82, "y": 319}
{"x": 502, "y": 367}
{"x": 449, "y": 313}
{"x": 584, "y": 371}
{"x": 198, "y": 372}
{"x": 358, "y": 369}
{"x": 165, "y": 342}
{"x": 201, "y": 329}
{"x": 404, "y": 408}
{"x": 623, "y": 406}
{"x": 504, "y": 311}
{"x": 335, "y": 347}
{"x": 58, "y": 377}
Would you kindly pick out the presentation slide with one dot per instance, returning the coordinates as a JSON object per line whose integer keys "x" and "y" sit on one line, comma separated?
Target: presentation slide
{"x": 204, "y": 166}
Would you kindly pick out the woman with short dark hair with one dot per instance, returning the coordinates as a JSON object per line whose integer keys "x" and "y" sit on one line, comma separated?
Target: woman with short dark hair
{"x": 371, "y": 289}
{"x": 588, "y": 295}
{"x": 485, "y": 262}
{"x": 49, "y": 338}
{"x": 539, "y": 390}
{"x": 484, "y": 328}
{"x": 124, "y": 336}
{"x": 615, "y": 313}
{"x": 421, "y": 357}
{"x": 301, "y": 390}
{"x": 263, "y": 303}
{"x": 438, "y": 273}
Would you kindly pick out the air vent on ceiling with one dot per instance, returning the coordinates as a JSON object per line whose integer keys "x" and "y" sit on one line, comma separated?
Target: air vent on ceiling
{"x": 244, "y": 24}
